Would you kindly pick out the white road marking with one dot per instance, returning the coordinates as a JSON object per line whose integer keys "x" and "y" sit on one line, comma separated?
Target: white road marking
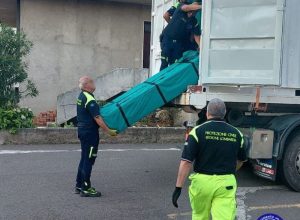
{"x": 283, "y": 206}
{"x": 141, "y": 149}
{"x": 241, "y": 197}
{"x": 4, "y": 152}
{"x": 31, "y": 151}
{"x": 242, "y": 208}
{"x": 175, "y": 215}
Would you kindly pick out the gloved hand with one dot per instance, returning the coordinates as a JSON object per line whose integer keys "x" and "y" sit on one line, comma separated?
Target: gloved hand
{"x": 176, "y": 195}
{"x": 112, "y": 132}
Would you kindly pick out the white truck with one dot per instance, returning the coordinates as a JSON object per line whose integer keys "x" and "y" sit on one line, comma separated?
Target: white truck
{"x": 250, "y": 58}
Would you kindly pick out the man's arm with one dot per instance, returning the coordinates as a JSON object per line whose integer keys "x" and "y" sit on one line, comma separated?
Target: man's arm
{"x": 192, "y": 7}
{"x": 94, "y": 110}
{"x": 189, "y": 153}
{"x": 168, "y": 14}
{"x": 242, "y": 155}
{"x": 239, "y": 165}
{"x": 197, "y": 39}
{"x": 167, "y": 17}
{"x": 184, "y": 170}
{"x": 102, "y": 124}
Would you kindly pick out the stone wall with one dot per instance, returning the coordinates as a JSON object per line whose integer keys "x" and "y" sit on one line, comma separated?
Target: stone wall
{"x": 69, "y": 136}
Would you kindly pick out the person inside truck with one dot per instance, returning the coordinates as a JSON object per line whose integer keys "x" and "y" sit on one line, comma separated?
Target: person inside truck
{"x": 176, "y": 32}
{"x": 194, "y": 31}
{"x": 197, "y": 28}
{"x": 168, "y": 14}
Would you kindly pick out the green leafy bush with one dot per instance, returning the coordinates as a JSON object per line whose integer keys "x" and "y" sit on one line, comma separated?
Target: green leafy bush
{"x": 14, "y": 47}
{"x": 13, "y": 118}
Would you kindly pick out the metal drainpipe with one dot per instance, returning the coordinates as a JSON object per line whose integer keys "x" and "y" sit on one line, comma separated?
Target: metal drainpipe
{"x": 18, "y": 15}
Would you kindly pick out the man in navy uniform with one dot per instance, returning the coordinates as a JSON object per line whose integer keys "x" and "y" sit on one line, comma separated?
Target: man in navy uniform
{"x": 176, "y": 33}
{"x": 89, "y": 121}
{"x": 168, "y": 14}
{"x": 197, "y": 29}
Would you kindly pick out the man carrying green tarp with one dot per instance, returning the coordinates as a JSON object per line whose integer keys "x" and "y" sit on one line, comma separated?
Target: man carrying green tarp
{"x": 168, "y": 14}
{"x": 177, "y": 37}
{"x": 89, "y": 121}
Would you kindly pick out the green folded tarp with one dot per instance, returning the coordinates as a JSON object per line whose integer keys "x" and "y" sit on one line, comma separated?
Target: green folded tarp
{"x": 154, "y": 93}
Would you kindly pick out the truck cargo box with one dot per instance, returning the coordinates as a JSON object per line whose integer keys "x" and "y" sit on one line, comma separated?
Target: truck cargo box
{"x": 250, "y": 54}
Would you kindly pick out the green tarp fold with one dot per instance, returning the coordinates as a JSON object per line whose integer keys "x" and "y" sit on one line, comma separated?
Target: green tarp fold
{"x": 155, "y": 92}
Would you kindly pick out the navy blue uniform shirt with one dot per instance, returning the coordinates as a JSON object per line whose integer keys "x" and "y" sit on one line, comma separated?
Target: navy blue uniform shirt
{"x": 87, "y": 110}
{"x": 178, "y": 28}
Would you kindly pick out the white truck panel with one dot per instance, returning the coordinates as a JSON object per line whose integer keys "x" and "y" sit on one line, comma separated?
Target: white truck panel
{"x": 241, "y": 42}
{"x": 245, "y": 45}
{"x": 291, "y": 45}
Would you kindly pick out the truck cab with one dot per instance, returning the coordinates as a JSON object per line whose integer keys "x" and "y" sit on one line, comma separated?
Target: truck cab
{"x": 249, "y": 58}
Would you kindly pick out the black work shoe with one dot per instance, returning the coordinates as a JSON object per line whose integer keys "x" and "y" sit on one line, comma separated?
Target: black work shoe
{"x": 91, "y": 192}
{"x": 77, "y": 190}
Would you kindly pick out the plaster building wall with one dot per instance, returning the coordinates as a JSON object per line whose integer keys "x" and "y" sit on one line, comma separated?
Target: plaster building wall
{"x": 75, "y": 37}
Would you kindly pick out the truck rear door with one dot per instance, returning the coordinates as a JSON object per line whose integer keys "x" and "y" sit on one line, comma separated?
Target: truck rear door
{"x": 241, "y": 42}
{"x": 159, "y": 7}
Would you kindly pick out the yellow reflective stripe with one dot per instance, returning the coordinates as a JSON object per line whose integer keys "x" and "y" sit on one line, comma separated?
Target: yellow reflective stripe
{"x": 91, "y": 151}
{"x": 79, "y": 102}
{"x": 89, "y": 98}
{"x": 193, "y": 134}
{"x": 164, "y": 58}
{"x": 242, "y": 142}
{"x": 176, "y": 5}
{"x": 242, "y": 137}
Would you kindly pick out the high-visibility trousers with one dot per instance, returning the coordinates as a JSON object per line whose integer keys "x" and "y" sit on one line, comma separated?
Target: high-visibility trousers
{"x": 213, "y": 195}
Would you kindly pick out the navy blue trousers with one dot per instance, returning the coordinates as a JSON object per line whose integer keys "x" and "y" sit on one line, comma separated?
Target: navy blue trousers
{"x": 171, "y": 50}
{"x": 89, "y": 139}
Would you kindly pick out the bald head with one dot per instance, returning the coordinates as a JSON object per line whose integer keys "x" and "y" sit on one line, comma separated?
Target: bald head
{"x": 216, "y": 109}
{"x": 86, "y": 83}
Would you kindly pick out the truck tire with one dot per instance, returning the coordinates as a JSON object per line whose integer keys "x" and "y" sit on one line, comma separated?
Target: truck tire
{"x": 291, "y": 163}
{"x": 235, "y": 117}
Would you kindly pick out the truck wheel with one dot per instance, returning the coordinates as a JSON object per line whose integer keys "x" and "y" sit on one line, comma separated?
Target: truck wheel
{"x": 235, "y": 117}
{"x": 291, "y": 163}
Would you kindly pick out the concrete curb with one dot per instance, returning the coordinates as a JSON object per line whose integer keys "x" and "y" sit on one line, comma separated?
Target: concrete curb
{"x": 149, "y": 135}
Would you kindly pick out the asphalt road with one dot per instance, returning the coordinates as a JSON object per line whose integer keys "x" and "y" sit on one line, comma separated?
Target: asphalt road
{"x": 136, "y": 182}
